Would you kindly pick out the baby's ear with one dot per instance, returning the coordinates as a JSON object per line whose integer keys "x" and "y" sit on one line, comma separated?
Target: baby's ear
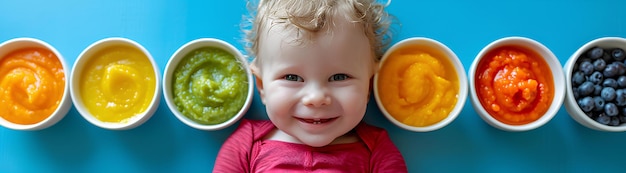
{"x": 375, "y": 69}
{"x": 375, "y": 66}
{"x": 258, "y": 79}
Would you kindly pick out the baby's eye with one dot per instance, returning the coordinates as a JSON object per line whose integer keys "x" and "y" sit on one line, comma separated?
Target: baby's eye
{"x": 339, "y": 77}
{"x": 293, "y": 77}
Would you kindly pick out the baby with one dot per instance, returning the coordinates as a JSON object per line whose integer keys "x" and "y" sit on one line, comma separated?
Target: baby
{"x": 314, "y": 63}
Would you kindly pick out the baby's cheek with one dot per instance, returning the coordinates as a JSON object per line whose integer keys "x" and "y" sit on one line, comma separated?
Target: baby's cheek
{"x": 353, "y": 101}
{"x": 280, "y": 100}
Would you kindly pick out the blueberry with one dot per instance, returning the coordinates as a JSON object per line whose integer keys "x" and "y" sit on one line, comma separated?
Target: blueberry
{"x": 586, "y": 67}
{"x": 609, "y": 82}
{"x": 611, "y": 70}
{"x": 597, "y": 90}
{"x": 596, "y": 78}
{"x": 578, "y": 78}
{"x": 621, "y": 81}
{"x": 586, "y": 104}
{"x": 610, "y": 109}
{"x": 620, "y": 97}
{"x": 608, "y": 94}
{"x": 621, "y": 67}
{"x": 603, "y": 119}
{"x": 618, "y": 54}
{"x": 599, "y": 103}
{"x": 614, "y": 121}
{"x": 622, "y": 118}
{"x": 575, "y": 92}
{"x": 586, "y": 89}
{"x": 595, "y": 53}
{"x": 599, "y": 64}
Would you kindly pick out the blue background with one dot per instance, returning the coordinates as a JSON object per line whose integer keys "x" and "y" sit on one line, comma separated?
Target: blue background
{"x": 165, "y": 144}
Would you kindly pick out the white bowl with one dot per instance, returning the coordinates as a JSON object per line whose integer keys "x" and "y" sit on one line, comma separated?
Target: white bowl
{"x": 557, "y": 76}
{"x": 437, "y": 50}
{"x": 79, "y": 66}
{"x": 179, "y": 55}
{"x": 570, "y": 102}
{"x": 65, "y": 102}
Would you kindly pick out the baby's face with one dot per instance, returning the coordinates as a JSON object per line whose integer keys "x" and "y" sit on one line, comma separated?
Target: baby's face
{"x": 318, "y": 90}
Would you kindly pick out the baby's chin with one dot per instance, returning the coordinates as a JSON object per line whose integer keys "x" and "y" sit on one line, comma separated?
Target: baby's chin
{"x": 316, "y": 140}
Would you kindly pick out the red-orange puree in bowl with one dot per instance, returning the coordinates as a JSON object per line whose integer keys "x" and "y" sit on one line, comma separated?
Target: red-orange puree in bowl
{"x": 32, "y": 83}
{"x": 514, "y": 85}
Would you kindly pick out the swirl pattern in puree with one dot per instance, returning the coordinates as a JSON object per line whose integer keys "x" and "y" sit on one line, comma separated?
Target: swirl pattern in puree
{"x": 32, "y": 83}
{"x": 514, "y": 85}
{"x": 117, "y": 83}
{"x": 210, "y": 85}
{"x": 418, "y": 86}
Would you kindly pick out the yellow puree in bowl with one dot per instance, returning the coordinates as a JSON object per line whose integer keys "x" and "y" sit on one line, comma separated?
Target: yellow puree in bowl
{"x": 117, "y": 83}
{"x": 32, "y": 83}
{"x": 418, "y": 87}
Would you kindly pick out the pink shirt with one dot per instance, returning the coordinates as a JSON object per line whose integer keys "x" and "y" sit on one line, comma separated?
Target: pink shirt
{"x": 246, "y": 151}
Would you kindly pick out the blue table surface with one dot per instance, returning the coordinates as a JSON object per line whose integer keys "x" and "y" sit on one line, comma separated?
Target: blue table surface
{"x": 165, "y": 144}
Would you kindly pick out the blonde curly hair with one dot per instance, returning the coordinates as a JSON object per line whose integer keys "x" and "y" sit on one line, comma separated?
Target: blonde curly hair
{"x": 311, "y": 16}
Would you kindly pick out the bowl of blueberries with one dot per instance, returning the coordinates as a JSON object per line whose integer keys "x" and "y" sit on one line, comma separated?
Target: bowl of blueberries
{"x": 596, "y": 84}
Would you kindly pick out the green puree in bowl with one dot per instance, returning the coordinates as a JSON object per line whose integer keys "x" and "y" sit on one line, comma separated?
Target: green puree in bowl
{"x": 210, "y": 85}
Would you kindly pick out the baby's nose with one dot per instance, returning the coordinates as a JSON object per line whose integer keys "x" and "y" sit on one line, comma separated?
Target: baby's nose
{"x": 316, "y": 96}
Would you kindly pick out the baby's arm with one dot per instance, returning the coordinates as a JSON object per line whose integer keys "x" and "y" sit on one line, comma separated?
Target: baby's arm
{"x": 235, "y": 152}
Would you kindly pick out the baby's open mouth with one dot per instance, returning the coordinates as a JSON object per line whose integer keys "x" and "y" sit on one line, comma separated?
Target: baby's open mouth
{"x": 316, "y": 121}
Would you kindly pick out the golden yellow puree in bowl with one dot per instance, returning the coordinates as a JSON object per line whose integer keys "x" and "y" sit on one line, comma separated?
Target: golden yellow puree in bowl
{"x": 210, "y": 85}
{"x": 418, "y": 88}
{"x": 117, "y": 83}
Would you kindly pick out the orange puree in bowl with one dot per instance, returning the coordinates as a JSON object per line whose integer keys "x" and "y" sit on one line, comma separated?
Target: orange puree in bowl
{"x": 117, "y": 83}
{"x": 514, "y": 85}
{"x": 418, "y": 88}
{"x": 32, "y": 83}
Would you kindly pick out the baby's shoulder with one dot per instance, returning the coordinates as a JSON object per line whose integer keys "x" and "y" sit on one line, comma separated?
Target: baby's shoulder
{"x": 255, "y": 128}
{"x": 372, "y": 135}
